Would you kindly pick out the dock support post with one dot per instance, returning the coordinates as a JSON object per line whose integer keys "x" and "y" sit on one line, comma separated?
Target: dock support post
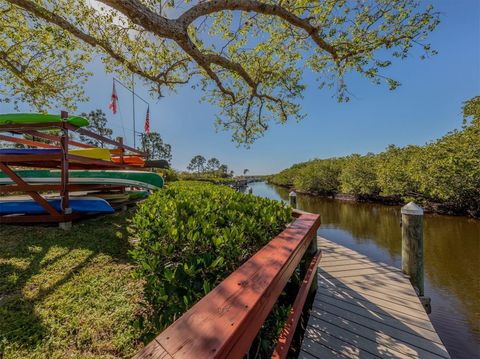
{"x": 412, "y": 249}
{"x": 292, "y": 197}
{"x": 66, "y": 226}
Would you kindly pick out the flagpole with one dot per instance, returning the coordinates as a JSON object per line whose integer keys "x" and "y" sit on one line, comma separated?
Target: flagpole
{"x": 132, "y": 90}
{"x": 133, "y": 110}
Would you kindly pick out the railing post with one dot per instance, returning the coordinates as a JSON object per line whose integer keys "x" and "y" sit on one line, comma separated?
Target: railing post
{"x": 312, "y": 250}
{"x": 412, "y": 249}
{"x": 64, "y": 193}
{"x": 292, "y": 197}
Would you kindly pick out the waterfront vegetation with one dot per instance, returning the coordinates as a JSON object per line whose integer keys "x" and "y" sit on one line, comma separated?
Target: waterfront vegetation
{"x": 444, "y": 174}
{"x": 206, "y": 177}
{"x": 191, "y": 235}
{"x": 112, "y": 283}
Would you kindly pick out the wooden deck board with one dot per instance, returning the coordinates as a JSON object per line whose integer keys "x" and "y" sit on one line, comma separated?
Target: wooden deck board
{"x": 366, "y": 309}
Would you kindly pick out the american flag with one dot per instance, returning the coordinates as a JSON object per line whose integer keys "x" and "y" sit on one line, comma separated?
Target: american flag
{"x": 113, "y": 101}
{"x": 147, "y": 121}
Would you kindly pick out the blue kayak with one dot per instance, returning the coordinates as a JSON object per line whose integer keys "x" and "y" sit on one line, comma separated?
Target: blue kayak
{"x": 29, "y": 151}
{"x": 78, "y": 205}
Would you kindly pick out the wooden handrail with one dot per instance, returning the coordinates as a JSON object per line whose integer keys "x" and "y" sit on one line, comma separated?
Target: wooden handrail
{"x": 54, "y": 138}
{"x": 28, "y": 127}
{"x": 224, "y": 323}
{"x": 91, "y": 134}
{"x": 24, "y": 141}
{"x": 30, "y": 158}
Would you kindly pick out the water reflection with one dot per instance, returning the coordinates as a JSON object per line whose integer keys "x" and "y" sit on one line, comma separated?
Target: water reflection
{"x": 452, "y": 255}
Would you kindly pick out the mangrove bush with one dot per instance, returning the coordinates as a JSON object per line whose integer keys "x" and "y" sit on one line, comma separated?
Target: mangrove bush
{"x": 444, "y": 174}
{"x": 192, "y": 235}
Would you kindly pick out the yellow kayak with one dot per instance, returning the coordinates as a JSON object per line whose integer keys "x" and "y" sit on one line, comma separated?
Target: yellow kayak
{"x": 97, "y": 153}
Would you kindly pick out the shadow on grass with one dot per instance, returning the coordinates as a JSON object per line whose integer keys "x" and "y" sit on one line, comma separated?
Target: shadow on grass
{"x": 35, "y": 261}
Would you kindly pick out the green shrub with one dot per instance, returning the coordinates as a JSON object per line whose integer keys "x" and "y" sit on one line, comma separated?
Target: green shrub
{"x": 168, "y": 174}
{"x": 192, "y": 235}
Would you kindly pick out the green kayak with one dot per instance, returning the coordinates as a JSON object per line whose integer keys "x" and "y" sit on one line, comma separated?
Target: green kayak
{"x": 29, "y": 118}
{"x": 147, "y": 180}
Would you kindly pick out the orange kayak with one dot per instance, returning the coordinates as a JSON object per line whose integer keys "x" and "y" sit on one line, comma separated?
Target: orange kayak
{"x": 130, "y": 160}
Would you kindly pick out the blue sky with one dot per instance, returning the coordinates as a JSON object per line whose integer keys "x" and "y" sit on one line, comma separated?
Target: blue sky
{"x": 425, "y": 107}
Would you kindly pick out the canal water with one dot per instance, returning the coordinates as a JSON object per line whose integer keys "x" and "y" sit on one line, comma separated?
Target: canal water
{"x": 452, "y": 257}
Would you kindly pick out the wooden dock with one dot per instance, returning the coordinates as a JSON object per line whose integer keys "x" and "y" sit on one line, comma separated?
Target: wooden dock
{"x": 366, "y": 309}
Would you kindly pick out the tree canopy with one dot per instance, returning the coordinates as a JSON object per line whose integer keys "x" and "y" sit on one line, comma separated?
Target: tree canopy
{"x": 213, "y": 164}
{"x": 97, "y": 122}
{"x": 152, "y": 144}
{"x": 197, "y": 164}
{"x": 247, "y": 56}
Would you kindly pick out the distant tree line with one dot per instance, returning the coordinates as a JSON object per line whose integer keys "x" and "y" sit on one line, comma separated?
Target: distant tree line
{"x": 444, "y": 174}
{"x": 212, "y": 167}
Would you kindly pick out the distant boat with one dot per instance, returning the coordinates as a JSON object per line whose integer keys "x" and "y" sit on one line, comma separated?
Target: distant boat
{"x": 142, "y": 179}
{"x": 32, "y": 118}
{"x": 15, "y": 205}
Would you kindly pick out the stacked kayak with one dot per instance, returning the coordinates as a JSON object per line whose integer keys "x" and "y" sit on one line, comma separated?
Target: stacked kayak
{"x": 142, "y": 179}
{"x": 10, "y": 205}
{"x": 34, "y": 118}
{"x": 113, "y": 198}
{"x": 130, "y": 160}
{"x": 95, "y": 153}
{"x": 81, "y": 171}
{"x": 134, "y": 195}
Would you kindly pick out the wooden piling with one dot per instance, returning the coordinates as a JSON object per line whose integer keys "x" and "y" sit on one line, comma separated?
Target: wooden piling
{"x": 412, "y": 245}
{"x": 292, "y": 197}
{"x": 412, "y": 250}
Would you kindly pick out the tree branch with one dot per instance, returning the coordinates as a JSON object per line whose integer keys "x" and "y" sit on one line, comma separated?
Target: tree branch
{"x": 210, "y": 7}
{"x": 51, "y": 17}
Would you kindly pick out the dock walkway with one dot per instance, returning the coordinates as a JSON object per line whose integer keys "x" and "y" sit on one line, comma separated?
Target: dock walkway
{"x": 366, "y": 309}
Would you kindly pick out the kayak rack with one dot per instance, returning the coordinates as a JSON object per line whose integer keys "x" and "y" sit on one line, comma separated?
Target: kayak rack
{"x": 62, "y": 160}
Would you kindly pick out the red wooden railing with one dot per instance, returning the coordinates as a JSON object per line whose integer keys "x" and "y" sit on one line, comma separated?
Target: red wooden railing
{"x": 224, "y": 323}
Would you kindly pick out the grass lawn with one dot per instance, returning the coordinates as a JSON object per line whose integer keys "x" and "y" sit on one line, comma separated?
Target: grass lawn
{"x": 68, "y": 294}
